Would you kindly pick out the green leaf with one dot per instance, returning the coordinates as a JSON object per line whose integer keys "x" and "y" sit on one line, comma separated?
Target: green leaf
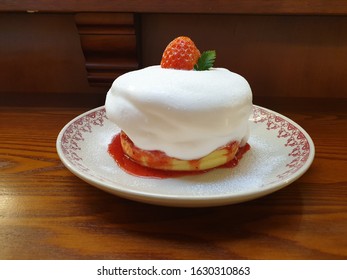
{"x": 205, "y": 61}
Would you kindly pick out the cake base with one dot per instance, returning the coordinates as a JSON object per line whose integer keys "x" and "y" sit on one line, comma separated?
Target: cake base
{"x": 159, "y": 160}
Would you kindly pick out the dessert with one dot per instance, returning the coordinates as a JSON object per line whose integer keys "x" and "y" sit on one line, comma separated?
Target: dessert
{"x": 177, "y": 117}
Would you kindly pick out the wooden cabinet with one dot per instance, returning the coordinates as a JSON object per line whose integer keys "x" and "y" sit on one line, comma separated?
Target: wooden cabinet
{"x": 64, "y": 58}
{"x": 109, "y": 44}
{"x": 71, "y": 52}
{"x": 282, "y": 7}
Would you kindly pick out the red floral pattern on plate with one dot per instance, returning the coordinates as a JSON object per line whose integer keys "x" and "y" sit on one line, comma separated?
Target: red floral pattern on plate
{"x": 295, "y": 138}
{"x": 74, "y": 135}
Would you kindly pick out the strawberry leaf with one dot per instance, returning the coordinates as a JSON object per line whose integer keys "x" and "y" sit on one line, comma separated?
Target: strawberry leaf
{"x": 205, "y": 61}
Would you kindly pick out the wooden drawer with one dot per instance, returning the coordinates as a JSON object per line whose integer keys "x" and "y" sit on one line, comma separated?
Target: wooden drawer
{"x": 109, "y": 44}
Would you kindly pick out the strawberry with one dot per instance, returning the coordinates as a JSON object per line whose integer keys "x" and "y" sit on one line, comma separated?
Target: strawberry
{"x": 181, "y": 53}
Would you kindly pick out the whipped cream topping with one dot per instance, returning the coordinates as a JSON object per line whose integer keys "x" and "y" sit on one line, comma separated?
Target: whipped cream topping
{"x": 186, "y": 114}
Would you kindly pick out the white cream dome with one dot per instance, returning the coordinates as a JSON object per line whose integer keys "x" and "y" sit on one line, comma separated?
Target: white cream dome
{"x": 186, "y": 114}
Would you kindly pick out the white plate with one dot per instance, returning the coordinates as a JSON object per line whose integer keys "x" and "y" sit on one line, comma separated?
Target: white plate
{"x": 281, "y": 151}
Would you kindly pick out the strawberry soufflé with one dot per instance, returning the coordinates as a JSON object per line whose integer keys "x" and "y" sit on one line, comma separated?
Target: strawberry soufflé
{"x": 181, "y": 115}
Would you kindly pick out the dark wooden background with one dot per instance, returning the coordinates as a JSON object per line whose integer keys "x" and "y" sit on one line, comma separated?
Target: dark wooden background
{"x": 67, "y": 53}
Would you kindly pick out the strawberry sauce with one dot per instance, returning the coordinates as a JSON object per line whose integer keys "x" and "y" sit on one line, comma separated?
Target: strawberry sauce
{"x": 133, "y": 168}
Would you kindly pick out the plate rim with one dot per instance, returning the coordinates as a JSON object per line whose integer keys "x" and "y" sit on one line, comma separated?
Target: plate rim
{"x": 120, "y": 189}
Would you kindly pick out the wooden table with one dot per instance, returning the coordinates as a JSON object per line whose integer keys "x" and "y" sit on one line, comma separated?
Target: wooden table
{"x": 48, "y": 213}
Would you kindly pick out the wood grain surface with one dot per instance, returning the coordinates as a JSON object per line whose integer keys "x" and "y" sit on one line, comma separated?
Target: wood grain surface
{"x": 48, "y": 213}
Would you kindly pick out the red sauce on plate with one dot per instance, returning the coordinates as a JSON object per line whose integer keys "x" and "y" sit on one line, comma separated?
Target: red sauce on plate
{"x": 133, "y": 168}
